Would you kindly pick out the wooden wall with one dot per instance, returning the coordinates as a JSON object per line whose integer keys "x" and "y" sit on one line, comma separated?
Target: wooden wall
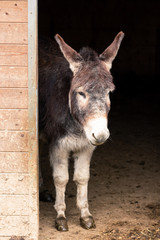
{"x": 15, "y": 175}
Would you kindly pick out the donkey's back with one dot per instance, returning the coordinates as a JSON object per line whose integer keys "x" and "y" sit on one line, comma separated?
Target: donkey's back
{"x": 54, "y": 84}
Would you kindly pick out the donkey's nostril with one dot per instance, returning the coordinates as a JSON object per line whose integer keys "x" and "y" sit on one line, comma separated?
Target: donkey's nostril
{"x": 94, "y": 136}
{"x": 100, "y": 139}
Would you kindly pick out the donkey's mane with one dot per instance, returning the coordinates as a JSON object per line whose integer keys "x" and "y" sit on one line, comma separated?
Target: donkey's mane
{"x": 89, "y": 54}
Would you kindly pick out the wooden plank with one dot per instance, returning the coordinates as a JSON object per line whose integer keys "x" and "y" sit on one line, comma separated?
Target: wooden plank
{"x": 14, "y": 225}
{"x": 14, "y": 162}
{"x": 16, "y": 33}
{"x": 14, "y": 119}
{"x": 13, "y": 11}
{"x": 14, "y": 183}
{"x": 13, "y": 55}
{"x": 13, "y": 76}
{"x": 13, "y": 141}
{"x": 13, "y": 98}
{"x": 14, "y": 205}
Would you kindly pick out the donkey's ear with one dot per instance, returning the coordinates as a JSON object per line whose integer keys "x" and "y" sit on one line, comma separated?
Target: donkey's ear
{"x": 110, "y": 53}
{"x": 70, "y": 54}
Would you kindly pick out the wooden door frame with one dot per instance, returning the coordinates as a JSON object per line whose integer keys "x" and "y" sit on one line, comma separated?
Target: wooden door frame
{"x": 33, "y": 117}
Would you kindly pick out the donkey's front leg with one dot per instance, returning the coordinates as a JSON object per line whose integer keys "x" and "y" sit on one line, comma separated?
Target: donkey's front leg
{"x": 81, "y": 177}
{"x": 59, "y": 161}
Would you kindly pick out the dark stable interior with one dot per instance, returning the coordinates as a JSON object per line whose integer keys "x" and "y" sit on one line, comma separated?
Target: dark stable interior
{"x": 136, "y": 69}
{"x": 135, "y": 104}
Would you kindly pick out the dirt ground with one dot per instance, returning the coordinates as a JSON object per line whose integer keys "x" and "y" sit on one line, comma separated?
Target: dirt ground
{"x": 124, "y": 187}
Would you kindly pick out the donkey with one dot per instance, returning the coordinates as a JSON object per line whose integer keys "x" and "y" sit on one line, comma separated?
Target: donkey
{"x": 73, "y": 109}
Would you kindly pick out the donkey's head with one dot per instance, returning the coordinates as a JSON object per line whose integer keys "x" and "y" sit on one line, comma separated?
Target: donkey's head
{"x": 89, "y": 100}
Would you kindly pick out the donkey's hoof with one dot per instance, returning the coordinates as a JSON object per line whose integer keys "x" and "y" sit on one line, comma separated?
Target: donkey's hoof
{"x": 61, "y": 224}
{"x": 87, "y": 222}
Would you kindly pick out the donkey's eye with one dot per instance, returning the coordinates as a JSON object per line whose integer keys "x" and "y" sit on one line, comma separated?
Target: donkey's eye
{"x": 82, "y": 94}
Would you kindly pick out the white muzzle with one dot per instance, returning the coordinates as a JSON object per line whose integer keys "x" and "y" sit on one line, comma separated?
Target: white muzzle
{"x": 97, "y": 131}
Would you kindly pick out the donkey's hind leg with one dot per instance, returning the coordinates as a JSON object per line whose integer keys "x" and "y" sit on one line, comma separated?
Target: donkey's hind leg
{"x": 44, "y": 194}
{"x": 81, "y": 177}
{"x": 59, "y": 161}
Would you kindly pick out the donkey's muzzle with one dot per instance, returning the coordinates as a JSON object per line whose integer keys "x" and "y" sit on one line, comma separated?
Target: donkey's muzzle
{"x": 100, "y": 139}
{"x": 97, "y": 131}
